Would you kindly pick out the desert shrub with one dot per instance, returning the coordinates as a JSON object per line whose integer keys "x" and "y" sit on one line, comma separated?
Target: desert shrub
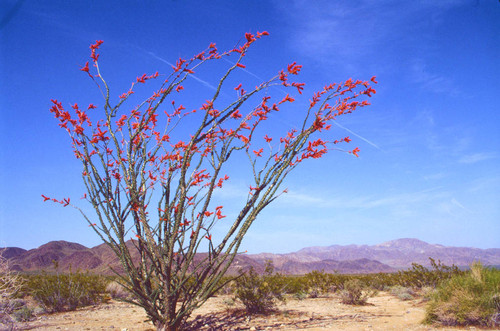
{"x": 419, "y": 276}
{"x": 403, "y": 293}
{"x": 225, "y": 285}
{"x": 117, "y": 291}
{"x": 300, "y": 295}
{"x": 338, "y": 281}
{"x": 318, "y": 283}
{"x": 380, "y": 281}
{"x": 260, "y": 293}
{"x": 471, "y": 298}
{"x": 10, "y": 284}
{"x": 293, "y": 284}
{"x": 355, "y": 292}
{"x": 58, "y": 292}
{"x": 14, "y": 310}
{"x": 24, "y": 314}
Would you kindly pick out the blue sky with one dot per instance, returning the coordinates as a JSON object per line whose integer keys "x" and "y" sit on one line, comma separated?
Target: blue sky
{"x": 429, "y": 166}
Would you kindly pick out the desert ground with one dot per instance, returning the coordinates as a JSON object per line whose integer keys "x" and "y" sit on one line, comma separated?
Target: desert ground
{"x": 383, "y": 312}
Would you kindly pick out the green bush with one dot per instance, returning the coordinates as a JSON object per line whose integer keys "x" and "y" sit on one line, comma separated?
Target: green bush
{"x": 260, "y": 293}
{"x": 299, "y": 296}
{"x": 117, "y": 291}
{"x": 10, "y": 285}
{"x": 58, "y": 292}
{"x": 293, "y": 284}
{"x": 403, "y": 293}
{"x": 472, "y": 298}
{"x": 380, "y": 281}
{"x": 419, "y": 276}
{"x": 356, "y": 292}
{"x": 23, "y": 314}
{"x": 318, "y": 283}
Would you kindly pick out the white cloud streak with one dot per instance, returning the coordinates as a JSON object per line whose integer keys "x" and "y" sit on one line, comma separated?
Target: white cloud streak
{"x": 431, "y": 81}
{"x": 335, "y": 123}
{"x": 456, "y": 203}
{"x": 205, "y": 83}
{"x": 477, "y": 157}
{"x": 297, "y": 198}
{"x": 357, "y": 135}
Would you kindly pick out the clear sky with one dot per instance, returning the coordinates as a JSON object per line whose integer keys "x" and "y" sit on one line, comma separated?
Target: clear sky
{"x": 429, "y": 165}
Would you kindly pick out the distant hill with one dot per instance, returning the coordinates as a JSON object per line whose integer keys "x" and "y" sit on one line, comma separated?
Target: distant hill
{"x": 99, "y": 259}
{"x": 10, "y": 252}
{"x": 401, "y": 253}
{"x": 385, "y": 257}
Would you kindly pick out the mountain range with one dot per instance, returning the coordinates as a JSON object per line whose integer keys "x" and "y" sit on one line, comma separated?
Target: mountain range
{"x": 385, "y": 257}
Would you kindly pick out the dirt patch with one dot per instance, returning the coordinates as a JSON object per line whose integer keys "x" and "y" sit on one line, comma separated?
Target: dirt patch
{"x": 383, "y": 312}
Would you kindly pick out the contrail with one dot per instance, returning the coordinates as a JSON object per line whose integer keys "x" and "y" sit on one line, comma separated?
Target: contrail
{"x": 342, "y": 127}
{"x": 357, "y": 135}
{"x": 245, "y": 70}
{"x": 456, "y": 203}
{"x": 207, "y": 84}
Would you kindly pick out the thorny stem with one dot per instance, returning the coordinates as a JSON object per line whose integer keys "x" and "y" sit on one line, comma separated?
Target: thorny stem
{"x": 129, "y": 162}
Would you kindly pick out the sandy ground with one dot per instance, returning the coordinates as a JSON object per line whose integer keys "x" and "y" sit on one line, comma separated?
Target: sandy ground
{"x": 383, "y": 312}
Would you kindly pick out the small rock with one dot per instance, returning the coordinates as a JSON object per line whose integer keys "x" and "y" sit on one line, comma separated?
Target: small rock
{"x": 253, "y": 328}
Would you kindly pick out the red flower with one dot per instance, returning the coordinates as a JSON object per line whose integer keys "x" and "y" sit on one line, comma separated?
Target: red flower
{"x": 236, "y": 114}
{"x": 78, "y": 129}
{"x": 254, "y": 188}
{"x": 250, "y": 37}
{"x": 86, "y": 68}
{"x": 294, "y": 68}
{"x": 142, "y": 79}
{"x": 94, "y": 55}
{"x": 299, "y": 86}
{"x": 259, "y": 152}
{"x": 97, "y": 44}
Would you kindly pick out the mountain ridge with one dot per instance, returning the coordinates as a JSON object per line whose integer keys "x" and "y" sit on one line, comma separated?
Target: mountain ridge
{"x": 384, "y": 257}
{"x": 400, "y": 253}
